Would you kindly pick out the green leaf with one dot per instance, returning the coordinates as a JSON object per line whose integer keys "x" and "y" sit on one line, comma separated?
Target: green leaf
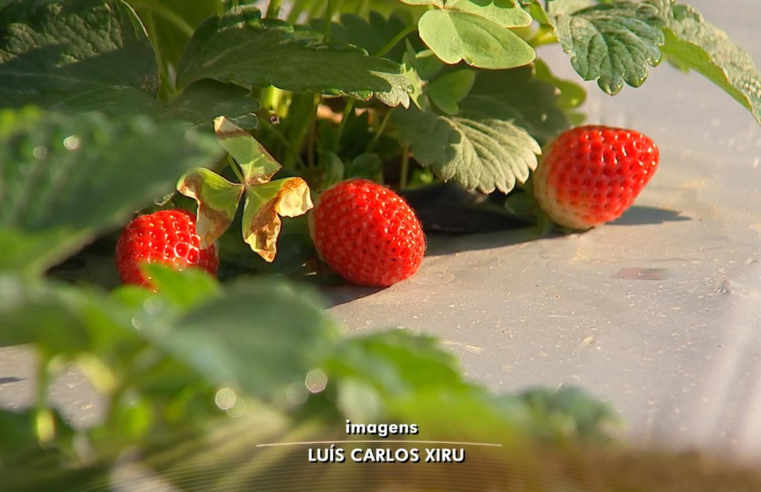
{"x": 334, "y": 170}
{"x": 611, "y": 42}
{"x": 205, "y": 100}
{"x": 54, "y": 167}
{"x": 480, "y": 148}
{"x": 455, "y": 36}
{"x": 571, "y": 95}
{"x": 537, "y": 104}
{"x": 446, "y": 91}
{"x": 366, "y": 166}
{"x": 217, "y": 201}
{"x": 503, "y": 12}
{"x": 417, "y": 93}
{"x": 90, "y": 55}
{"x": 184, "y": 289}
{"x": 259, "y": 336}
{"x": 371, "y": 34}
{"x": 257, "y": 164}
{"x": 169, "y": 24}
{"x": 691, "y": 42}
{"x": 61, "y": 54}
{"x": 241, "y": 48}
{"x": 265, "y": 204}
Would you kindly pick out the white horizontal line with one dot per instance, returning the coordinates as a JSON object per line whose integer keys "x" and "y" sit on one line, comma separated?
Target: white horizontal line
{"x": 494, "y": 445}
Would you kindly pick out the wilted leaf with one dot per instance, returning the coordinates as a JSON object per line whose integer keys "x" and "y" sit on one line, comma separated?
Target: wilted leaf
{"x": 257, "y": 164}
{"x": 217, "y": 201}
{"x": 265, "y": 204}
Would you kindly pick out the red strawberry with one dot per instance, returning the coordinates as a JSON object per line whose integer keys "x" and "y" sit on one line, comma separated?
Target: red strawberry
{"x": 367, "y": 233}
{"x": 592, "y": 174}
{"x": 166, "y": 236}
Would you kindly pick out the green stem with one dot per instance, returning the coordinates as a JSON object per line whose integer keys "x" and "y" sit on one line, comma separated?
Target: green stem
{"x": 234, "y": 167}
{"x": 281, "y": 138}
{"x": 167, "y": 14}
{"x": 390, "y": 45}
{"x": 362, "y": 7}
{"x": 543, "y": 37}
{"x": 347, "y": 111}
{"x": 273, "y": 9}
{"x": 380, "y": 131}
{"x": 166, "y": 87}
{"x": 405, "y": 167}
{"x": 312, "y": 131}
{"x": 296, "y": 9}
{"x": 328, "y": 18}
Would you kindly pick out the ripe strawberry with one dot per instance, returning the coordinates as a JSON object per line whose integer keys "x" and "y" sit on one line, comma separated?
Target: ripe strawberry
{"x": 367, "y": 233}
{"x": 593, "y": 174}
{"x": 166, "y": 236}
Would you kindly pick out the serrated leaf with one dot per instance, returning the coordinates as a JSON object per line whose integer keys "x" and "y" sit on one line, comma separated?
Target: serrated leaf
{"x": 54, "y": 167}
{"x": 694, "y": 43}
{"x": 612, "y": 43}
{"x": 217, "y": 201}
{"x": 417, "y": 94}
{"x": 503, "y": 12}
{"x": 456, "y": 36}
{"x": 241, "y": 48}
{"x": 264, "y": 206}
{"x": 257, "y": 164}
{"x": 446, "y": 91}
{"x": 479, "y": 148}
{"x": 60, "y": 53}
{"x": 87, "y": 55}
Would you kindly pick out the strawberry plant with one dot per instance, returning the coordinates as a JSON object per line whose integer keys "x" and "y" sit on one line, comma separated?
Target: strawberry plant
{"x": 254, "y": 118}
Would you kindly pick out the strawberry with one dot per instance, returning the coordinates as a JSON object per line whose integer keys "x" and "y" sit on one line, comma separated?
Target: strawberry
{"x": 166, "y": 236}
{"x": 592, "y": 174}
{"x": 367, "y": 233}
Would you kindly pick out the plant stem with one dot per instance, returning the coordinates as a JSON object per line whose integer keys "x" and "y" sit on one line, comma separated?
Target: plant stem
{"x": 405, "y": 167}
{"x": 234, "y": 167}
{"x": 396, "y": 40}
{"x": 328, "y": 17}
{"x": 273, "y": 9}
{"x": 380, "y": 131}
{"x": 543, "y": 37}
{"x": 361, "y": 7}
{"x": 312, "y": 131}
{"x": 296, "y": 9}
{"x": 281, "y": 138}
{"x": 347, "y": 111}
{"x": 167, "y": 14}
